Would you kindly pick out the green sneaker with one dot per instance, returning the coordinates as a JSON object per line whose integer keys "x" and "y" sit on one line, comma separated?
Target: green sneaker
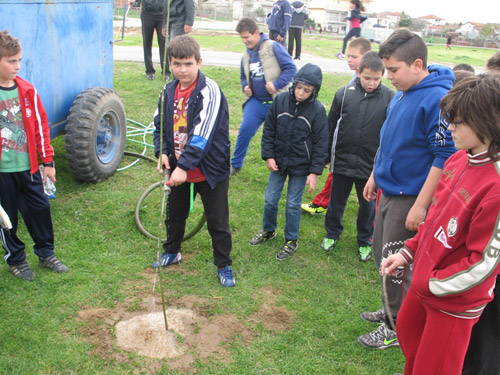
{"x": 328, "y": 244}
{"x": 365, "y": 253}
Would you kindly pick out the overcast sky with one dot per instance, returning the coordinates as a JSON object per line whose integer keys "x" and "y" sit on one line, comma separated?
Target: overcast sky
{"x": 482, "y": 11}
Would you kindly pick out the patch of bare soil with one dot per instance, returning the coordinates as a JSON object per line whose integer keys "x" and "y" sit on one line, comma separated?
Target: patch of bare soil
{"x": 194, "y": 334}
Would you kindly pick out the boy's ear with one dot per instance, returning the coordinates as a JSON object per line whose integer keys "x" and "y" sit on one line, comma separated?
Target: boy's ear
{"x": 358, "y": 72}
{"x": 418, "y": 64}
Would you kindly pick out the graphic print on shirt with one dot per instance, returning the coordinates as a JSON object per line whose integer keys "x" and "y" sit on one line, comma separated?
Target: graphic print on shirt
{"x": 12, "y": 127}
{"x": 180, "y": 124}
{"x": 256, "y": 71}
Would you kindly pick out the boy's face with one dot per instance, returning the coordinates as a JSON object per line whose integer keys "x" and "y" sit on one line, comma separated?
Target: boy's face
{"x": 465, "y": 138}
{"x": 402, "y": 76}
{"x": 185, "y": 70}
{"x": 9, "y": 67}
{"x": 370, "y": 79}
{"x": 354, "y": 56}
{"x": 303, "y": 91}
{"x": 250, "y": 40}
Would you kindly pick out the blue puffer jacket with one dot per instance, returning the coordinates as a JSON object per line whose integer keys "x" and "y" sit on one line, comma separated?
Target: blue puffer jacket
{"x": 295, "y": 133}
{"x": 208, "y": 145}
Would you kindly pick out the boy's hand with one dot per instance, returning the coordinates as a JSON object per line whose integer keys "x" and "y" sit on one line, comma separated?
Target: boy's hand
{"x": 370, "y": 190}
{"x": 164, "y": 31}
{"x": 279, "y": 38}
{"x": 178, "y": 177}
{"x": 188, "y": 29}
{"x": 162, "y": 163}
{"x": 270, "y": 88}
{"x": 415, "y": 217}
{"x": 247, "y": 90}
{"x": 312, "y": 180}
{"x": 390, "y": 264}
{"x": 271, "y": 164}
{"x": 49, "y": 172}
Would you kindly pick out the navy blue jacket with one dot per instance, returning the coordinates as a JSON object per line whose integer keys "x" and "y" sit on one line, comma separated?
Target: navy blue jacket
{"x": 208, "y": 145}
{"x": 295, "y": 133}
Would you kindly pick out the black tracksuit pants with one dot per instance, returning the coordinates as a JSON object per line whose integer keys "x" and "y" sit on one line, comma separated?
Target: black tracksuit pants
{"x": 23, "y": 192}
{"x": 150, "y": 23}
{"x": 216, "y": 207}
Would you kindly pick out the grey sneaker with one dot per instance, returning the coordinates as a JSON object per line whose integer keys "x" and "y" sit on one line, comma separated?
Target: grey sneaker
{"x": 150, "y": 76}
{"x": 53, "y": 264}
{"x": 22, "y": 270}
{"x": 374, "y": 316}
{"x": 233, "y": 171}
{"x": 383, "y": 337}
{"x": 262, "y": 236}
{"x": 364, "y": 253}
{"x": 328, "y": 244}
{"x": 287, "y": 249}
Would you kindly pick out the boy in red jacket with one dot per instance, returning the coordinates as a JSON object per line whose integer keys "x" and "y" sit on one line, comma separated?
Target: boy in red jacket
{"x": 456, "y": 252}
{"x": 24, "y": 131}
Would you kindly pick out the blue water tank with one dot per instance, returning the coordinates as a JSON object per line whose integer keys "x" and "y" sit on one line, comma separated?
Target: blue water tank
{"x": 66, "y": 49}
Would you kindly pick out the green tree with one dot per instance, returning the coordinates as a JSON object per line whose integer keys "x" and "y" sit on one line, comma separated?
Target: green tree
{"x": 487, "y": 31}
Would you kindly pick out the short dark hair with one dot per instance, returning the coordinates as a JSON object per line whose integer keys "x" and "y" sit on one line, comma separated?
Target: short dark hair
{"x": 363, "y": 44}
{"x": 372, "y": 61}
{"x": 404, "y": 46}
{"x": 247, "y": 24}
{"x": 9, "y": 46}
{"x": 475, "y": 100}
{"x": 466, "y": 67}
{"x": 461, "y": 74}
{"x": 493, "y": 63}
{"x": 183, "y": 47}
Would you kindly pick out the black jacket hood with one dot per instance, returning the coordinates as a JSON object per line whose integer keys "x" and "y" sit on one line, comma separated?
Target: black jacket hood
{"x": 309, "y": 74}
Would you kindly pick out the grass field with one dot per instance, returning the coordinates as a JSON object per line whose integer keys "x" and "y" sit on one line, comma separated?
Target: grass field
{"x": 325, "y": 46}
{"x": 299, "y": 316}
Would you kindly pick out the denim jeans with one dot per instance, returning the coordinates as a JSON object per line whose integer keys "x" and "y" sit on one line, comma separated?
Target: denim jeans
{"x": 254, "y": 114}
{"x": 293, "y": 201}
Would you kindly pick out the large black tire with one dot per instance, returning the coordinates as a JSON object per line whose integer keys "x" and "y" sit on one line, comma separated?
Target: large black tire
{"x": 96, "y": 134}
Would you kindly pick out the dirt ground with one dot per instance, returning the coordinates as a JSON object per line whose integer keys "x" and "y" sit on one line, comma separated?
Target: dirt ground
{"x": 137, "y": 326}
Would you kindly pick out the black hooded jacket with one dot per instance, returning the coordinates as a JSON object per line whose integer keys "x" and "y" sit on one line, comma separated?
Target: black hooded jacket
{"x": 296, "y": 133}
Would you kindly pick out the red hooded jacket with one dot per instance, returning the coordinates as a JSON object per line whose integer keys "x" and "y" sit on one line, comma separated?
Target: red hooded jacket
{"x": 36, "y": 124}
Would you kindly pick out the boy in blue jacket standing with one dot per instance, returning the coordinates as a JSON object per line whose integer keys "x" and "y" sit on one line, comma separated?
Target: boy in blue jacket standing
{"x": 279, "y": 21}
{"x": 266, "y": 70}
{"x": 294, "y": 145}
{"x": 196, "y": 148}
{"x": 414, "y": 144}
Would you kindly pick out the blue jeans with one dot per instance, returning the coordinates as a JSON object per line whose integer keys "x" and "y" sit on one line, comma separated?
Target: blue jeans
{"x": 293, "y": 201}
{"x": 254, "y": 114}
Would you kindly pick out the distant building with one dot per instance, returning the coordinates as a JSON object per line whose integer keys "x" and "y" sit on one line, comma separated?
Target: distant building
{"x": 470, "y": 30}
{"x": 433, "y": 20}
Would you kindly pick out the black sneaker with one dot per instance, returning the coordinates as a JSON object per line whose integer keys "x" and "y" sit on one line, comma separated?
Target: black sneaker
{"x": 53, "y": 264}
{"x": 262, "y": 236}
{"x": 22, "y": 270}
{"x": 287, "y": 249}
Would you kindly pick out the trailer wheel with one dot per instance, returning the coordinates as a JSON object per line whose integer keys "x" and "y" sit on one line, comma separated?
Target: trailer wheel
{"x": 95, "y": 134}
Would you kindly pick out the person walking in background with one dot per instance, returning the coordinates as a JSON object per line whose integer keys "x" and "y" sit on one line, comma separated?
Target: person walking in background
{"x": 279, "y": 21}
{"x": 299, "y": 15}
{"x": 151, "y": 21}
{"x": 448, "y": 42}
{"x": 356, "y": 117}
{"x": 356, "y": 19}
{"x": 294, "y": 146}
{"x": 266, "y": 70}
{"x": 180, "y": 22}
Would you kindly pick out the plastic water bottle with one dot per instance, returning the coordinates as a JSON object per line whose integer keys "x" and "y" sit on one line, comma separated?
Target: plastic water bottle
{"x": 48, "y": 187}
